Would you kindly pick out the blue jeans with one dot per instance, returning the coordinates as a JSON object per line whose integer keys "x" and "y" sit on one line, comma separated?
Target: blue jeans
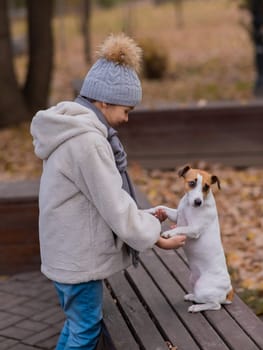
{"x": 82, "y": 305}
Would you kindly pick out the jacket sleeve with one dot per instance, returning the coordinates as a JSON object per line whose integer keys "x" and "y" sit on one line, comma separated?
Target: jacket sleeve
{"x": 102, "y": 180}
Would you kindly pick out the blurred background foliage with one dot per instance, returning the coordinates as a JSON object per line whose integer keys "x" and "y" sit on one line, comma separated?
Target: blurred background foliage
{"x": 194, "y": 50}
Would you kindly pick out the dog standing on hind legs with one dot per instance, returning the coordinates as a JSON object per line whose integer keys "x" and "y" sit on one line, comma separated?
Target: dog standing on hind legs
{"x": 197, "y": 218}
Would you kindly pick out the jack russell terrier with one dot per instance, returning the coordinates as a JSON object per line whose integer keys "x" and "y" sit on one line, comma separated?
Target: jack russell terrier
{"x": 197, "y": 218}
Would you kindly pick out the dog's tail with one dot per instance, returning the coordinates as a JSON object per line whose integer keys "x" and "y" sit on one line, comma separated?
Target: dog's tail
{"x": 230, "y": 296}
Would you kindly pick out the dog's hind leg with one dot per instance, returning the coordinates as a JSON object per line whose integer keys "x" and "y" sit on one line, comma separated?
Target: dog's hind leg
{"x": 189, "y": 297}
{"x": 229, "y": 297}
{"x": 203, "y": 307}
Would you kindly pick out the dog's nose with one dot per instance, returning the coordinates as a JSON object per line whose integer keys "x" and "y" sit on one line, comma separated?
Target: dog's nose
{"x": 197, "y": 202}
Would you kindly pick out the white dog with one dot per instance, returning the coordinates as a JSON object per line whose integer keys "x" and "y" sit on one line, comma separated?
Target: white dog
{"x": 197, "y": 218}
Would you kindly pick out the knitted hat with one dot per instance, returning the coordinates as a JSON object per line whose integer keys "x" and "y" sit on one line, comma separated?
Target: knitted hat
{"x": 113, "y": 77}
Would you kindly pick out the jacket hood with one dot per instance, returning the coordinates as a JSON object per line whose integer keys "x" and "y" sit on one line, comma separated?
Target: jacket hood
{"x": 53, "y": 126}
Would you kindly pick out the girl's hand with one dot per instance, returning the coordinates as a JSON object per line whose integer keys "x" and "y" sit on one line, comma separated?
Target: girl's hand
{"x": 160, "y": 214}
{"x": 172, "y": 242}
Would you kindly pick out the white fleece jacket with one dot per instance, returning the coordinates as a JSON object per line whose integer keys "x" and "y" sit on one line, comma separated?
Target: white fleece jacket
{"x": 81, "y": 199}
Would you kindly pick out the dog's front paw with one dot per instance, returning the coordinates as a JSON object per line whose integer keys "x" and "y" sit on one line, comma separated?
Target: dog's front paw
{"x": 169, "y": 233}
{"x": 166, "y": 234}
{"x": 150, "y": 210}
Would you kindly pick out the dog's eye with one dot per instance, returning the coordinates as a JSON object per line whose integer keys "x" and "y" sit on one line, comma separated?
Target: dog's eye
{"x": 191, "y": 184}
{"x": 206, "y": 188}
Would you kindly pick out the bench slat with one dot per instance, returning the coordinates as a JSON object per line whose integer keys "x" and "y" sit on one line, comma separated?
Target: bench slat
{"x": 115, "y": 324}
{"x": 247, "y": 320}
{"x": 19, "y": 191}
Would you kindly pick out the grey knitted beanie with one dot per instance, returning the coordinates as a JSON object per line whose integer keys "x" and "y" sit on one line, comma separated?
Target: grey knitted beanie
{"x": 113, "y": 77}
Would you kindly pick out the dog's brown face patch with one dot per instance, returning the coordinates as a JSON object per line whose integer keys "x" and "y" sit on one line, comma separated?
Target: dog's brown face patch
{"x": 191, "y": 178}
{"x": 197, "y": 184}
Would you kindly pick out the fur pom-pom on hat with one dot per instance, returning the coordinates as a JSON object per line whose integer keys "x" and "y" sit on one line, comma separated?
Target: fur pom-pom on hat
{"x": 113, "y": 77}
{"x": 122, "y": 50}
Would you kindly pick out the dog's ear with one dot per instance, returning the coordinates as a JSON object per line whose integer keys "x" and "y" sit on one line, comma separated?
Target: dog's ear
{"x": 183, "y": 171}
{"x": 215, "y": 179}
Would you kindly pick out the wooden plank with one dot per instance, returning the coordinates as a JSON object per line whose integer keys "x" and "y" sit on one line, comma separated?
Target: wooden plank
{"x": 175, "y": 161}
{"x": 19, "y": 242}
{"x": 115, "y": 324}
{"x": 168, "y": 322}
{"x": 146, "y": 332}
{"x": 232, "y": 334}
{"x": 18, "y": 222}
{"x": 203, "y": 333}
{"x": 247, "y": 320}
{"x": 17, "y": 191}
{"x": 19, "y": 258}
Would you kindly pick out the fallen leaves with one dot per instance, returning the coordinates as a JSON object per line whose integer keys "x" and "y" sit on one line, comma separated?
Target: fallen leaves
{"x": 17, "y": 160}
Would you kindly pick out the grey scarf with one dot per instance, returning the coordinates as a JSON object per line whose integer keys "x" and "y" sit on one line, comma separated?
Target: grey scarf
{"x": 120, "y": 159}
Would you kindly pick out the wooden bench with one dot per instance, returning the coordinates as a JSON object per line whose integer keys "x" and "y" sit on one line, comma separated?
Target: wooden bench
{"x": 230, "y": 134}
{"x": 143, "y": 307}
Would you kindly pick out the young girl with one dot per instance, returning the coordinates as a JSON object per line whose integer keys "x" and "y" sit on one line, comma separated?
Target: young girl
{"x": 90, "y": 226}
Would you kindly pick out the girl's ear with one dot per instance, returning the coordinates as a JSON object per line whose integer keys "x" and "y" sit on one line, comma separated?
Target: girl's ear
{"x": 104, "y": 104}
{"x": 183, "y": 171}
{"x": 215, "y": 179}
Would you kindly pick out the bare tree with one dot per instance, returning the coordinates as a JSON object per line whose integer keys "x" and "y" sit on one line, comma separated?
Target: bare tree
{"x": 86, "y": 29}
{"x": 179, "y": 13}
{"x": 18, "y": 103}
{"x": 256, "y": 8}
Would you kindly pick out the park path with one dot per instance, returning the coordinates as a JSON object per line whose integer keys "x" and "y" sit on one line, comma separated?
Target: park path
{"x": 30, "y": 316}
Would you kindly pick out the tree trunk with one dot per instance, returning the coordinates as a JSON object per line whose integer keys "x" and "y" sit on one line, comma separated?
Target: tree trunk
{"x": 179, "y": 18}
{"x": 12, "y": 106}
{"x": 16, "y": 104}
{"x": 128, "y": 18}
{"x": 36, "y": 89}
{"x": 257, "y": 18}
{"x": 86, "y": 29}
